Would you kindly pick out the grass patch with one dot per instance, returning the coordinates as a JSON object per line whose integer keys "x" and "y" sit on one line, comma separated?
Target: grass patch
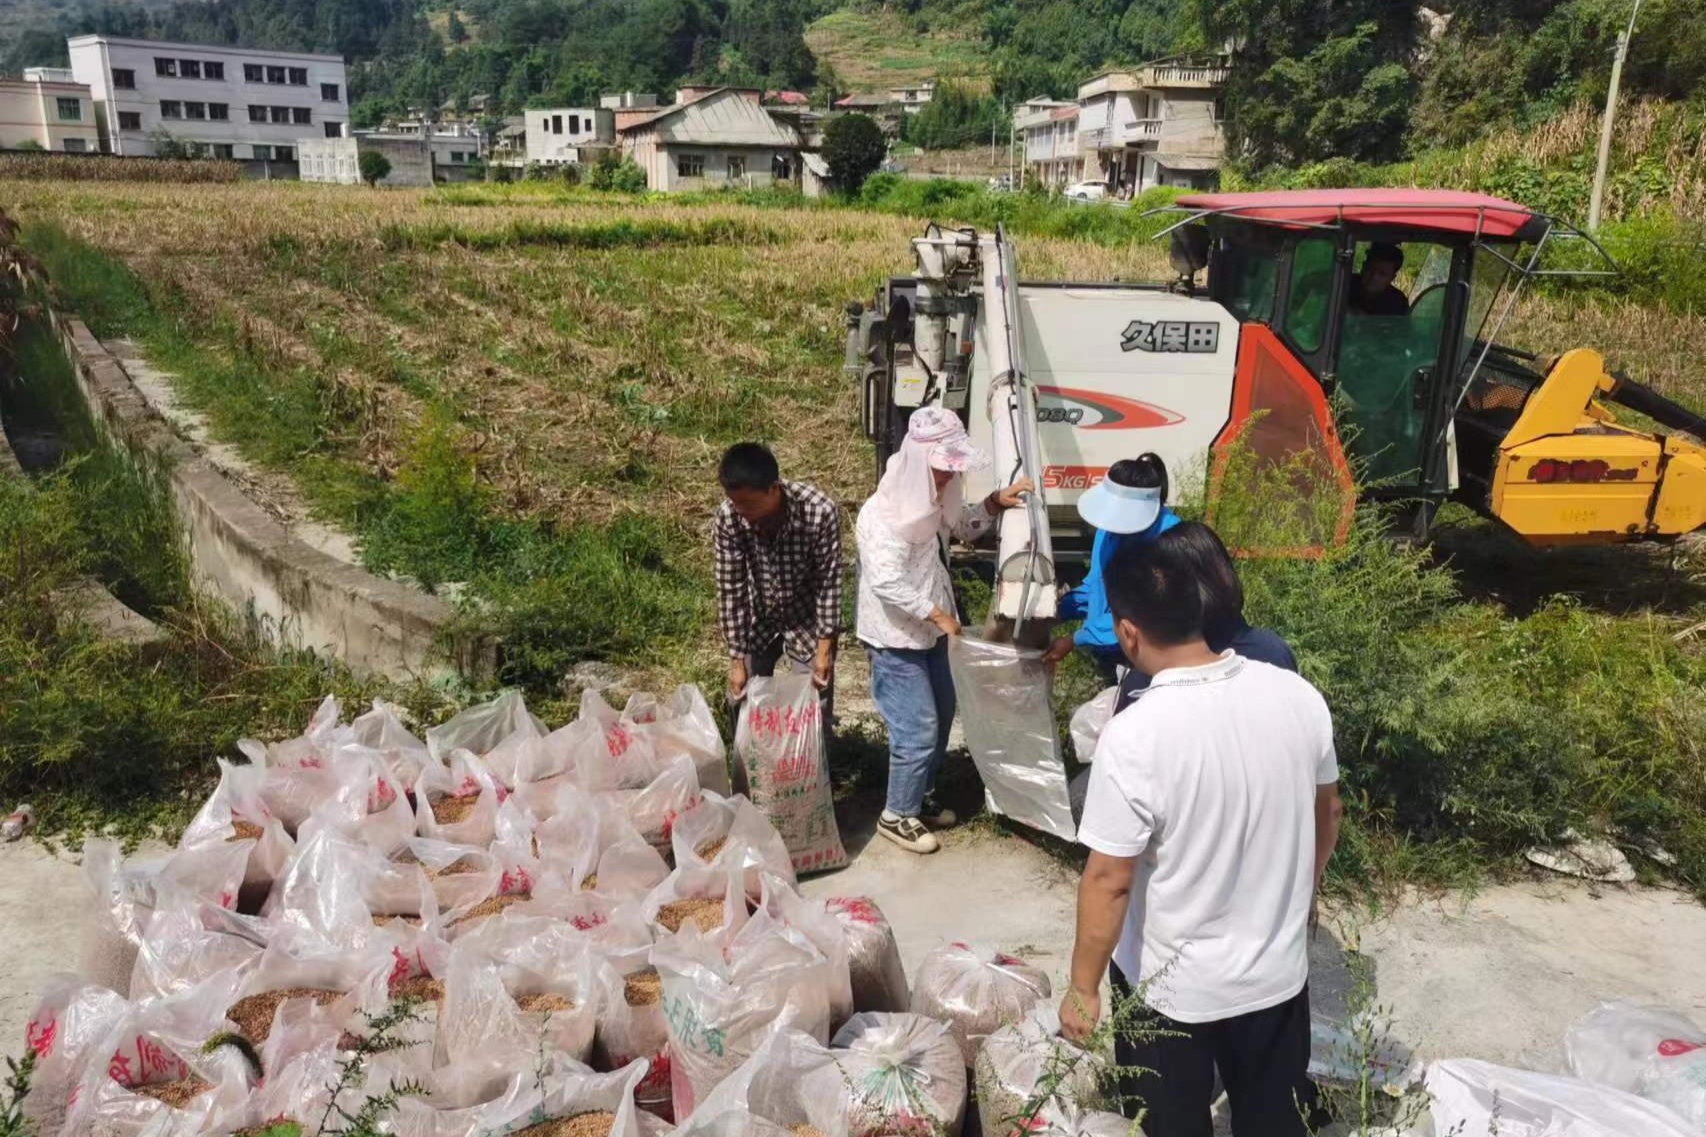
{"x": 619, "y": 234}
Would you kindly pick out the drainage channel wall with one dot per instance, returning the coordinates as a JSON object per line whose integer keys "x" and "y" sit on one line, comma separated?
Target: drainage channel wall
{"x": 300, "y": 596}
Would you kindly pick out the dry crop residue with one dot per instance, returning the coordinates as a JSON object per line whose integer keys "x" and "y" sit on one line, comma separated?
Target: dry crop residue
{"x": 548, "y": 1001}
{"x": 643, "y": 988}
{"x": 489, "y": 907}
{"x": 175, "y": 1094}
{"x": 450, "y": 810}
{"x": 244, "y": 831}
{"x": 421, "y": 987}
{"x": 705, "y": 912}
{"x": 597, "y": 1124}
{"x": 253, "y": 1014}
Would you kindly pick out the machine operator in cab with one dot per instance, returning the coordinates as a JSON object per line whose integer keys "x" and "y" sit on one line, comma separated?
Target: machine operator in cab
{"x": 1372, "y": 290}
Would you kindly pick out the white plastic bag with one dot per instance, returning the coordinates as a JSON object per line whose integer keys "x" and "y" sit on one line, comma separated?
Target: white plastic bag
{"x": 493, "y": 999}
{"x": 722, "y": 998}
{"x": 875, "y": 971}
{"x": 1016, "y": 1060}
{"x": 188, "y": 940}
{"x": 152, "y": 1044}
{"x": 480, "y": 728}
{"x": 976, "y": 990}
{"x": 382, "y": 729}
{"x": 655, "y": 808}
{"x": 781, "y": 747}
{"x": 1056, "y": 1120}
{"x": 682, "y": 724}
{"x": 791, "y": 1080}
{"x": 1474, "y": 1097}
{"x": 716, "y": 896}
{"x": 902, "y": 1073}
{"x": 234, "y": 812}
{"x": 70, "y": 1020}
{"x": 1656, "y": 1052}
{"x": 1004, "y": 703}
{"x": 528, "y": 1099}
{"x": 626, "y": 761}
{"x": 1088, "y": 722}
{"x": 823, "y": 932}
{"x": 464, "y": 794}
{"x": 632, "y": 1026}
{"x": 724, "y": 831}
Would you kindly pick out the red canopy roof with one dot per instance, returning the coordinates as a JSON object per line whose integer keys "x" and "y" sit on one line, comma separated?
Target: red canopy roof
{"x": 1448, "y": 211}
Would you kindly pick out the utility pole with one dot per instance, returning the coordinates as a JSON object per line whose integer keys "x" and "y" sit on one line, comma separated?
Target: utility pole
{"x": 1596, "y": 200}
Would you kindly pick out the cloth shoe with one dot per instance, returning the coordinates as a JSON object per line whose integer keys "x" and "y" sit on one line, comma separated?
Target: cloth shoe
{"x": 935, "y": 815}
{"x": 907, "y": 832}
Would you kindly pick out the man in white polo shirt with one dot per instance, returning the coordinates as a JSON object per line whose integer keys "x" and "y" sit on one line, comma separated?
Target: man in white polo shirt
{"x": 1212, "y": 812}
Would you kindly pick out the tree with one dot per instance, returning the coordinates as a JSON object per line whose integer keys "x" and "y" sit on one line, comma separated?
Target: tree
{"x": 1313, "y": 81}
{"x": 374, "y": 166}
{"x": 453, "y": 29}
{"x": 854, "y": 148}
{"x": 165, "y": 146}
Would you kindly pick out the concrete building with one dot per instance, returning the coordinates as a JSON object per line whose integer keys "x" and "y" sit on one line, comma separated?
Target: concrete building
{"x": 556, "y": 136}
{"x": 877, "y": 105}
{"x": 911, "y": 100}
{"x": 629, "y": 107}
{"x": 1049, "y": 128}
{"x": 1157, "y": 125}
{"x": 723, "y": 137}
{"x": 226, "y": 102}
{"x": 47, "y": 107}
{"x": 338, "y": 160}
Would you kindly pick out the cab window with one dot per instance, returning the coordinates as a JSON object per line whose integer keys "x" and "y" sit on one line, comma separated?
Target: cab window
{"x": 1311, "y": 289}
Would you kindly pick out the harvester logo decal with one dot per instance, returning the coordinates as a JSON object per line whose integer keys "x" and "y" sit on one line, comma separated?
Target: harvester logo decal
{"x": 1191, "y": 336}
{"x": 1097, "y": 410}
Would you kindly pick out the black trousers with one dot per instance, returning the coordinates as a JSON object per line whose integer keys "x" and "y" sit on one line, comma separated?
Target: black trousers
{"x": 763, "y": 665}
{"x": 1263, "y": 1058}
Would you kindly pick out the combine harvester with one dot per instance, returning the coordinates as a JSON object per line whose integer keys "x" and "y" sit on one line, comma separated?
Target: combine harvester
{"x": 1058, "y": 380}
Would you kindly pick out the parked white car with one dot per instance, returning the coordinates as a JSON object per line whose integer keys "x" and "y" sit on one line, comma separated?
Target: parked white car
{"x": 1087, "y": 190}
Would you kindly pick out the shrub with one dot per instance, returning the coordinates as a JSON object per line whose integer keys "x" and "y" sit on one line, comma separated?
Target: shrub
{"x": 374, "y": 166}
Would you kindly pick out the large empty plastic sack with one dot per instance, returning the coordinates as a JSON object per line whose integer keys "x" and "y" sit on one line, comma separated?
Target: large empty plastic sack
{"x": 1474, "y": 1097}
{"x": 1655, "y": 1052}
{"x": 1010, "y": 730}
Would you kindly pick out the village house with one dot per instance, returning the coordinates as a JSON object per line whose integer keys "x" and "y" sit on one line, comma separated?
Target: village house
{"x": 557, "y": 135}
{"x": 49, "y": 109}
{"x": 1049, "y": 128}
{"x": 911, "y": 100}
{"x": 714, "y": 137}
{"x": 1156, "y": 125}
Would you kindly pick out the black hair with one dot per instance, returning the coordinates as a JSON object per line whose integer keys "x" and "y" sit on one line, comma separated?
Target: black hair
{"x": 1217, "y": 577}
{"x": 1155, "y": 586}
{"x": 1384, "y": 251}
{"x": 1145, "y": 472}
{"x": 748, "y": 466}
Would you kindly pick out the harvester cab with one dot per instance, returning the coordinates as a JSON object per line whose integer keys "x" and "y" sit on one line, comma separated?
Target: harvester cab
{"x": 1350, "y": 333}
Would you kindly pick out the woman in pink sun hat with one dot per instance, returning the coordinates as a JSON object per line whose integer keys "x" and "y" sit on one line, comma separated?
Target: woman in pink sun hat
{"x": 906, "y": 608}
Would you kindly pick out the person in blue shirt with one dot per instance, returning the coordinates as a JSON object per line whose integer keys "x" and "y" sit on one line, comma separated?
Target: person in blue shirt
{"x": 1128, "y": 506}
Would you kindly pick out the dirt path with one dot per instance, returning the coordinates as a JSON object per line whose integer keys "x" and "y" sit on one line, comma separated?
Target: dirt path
{"x": 1498, "y": 975}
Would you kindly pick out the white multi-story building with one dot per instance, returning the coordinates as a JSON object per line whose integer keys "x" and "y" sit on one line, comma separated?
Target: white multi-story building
{"x": 555, "y": 135}
{"x": 47, "y": 108}
{"x": 1158, "y": 125}
{"x": 226, "y": 102}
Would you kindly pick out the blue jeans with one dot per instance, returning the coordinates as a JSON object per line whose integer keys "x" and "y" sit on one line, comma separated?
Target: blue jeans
{"x": 914, "y": 693}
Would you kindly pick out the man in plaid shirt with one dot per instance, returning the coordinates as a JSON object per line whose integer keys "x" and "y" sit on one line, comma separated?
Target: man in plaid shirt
{"x": 778, "y": 547}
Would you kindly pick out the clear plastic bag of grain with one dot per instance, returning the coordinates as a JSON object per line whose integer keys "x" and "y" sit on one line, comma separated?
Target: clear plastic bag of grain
{"x": 791, "y": 1081}
{"x": 70, "y": 1018}
{"x": 901, "y": 1073}
{"x": 189, "y": 940}
{"x": 148, "y": 1073}
{"x": 126, "y": 892}
{"x": 631, "y": 1025}
{"x": 480, "y": 728}
{"x": 723, "y": 996}
{"x": 234, "y": 812}
{"x": 458, "y": 801}
{"x": 976, "y": 990}
{"x": 1026, "y": 1066}
{"x": 490, "y": 1000}
{"x": 682, "y": 724}
{"x": 731, "y": 830}
{"x": 1055, "y": 1120}
{"x": 572, "y": 1102}
{"x": 873, "y": 957}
